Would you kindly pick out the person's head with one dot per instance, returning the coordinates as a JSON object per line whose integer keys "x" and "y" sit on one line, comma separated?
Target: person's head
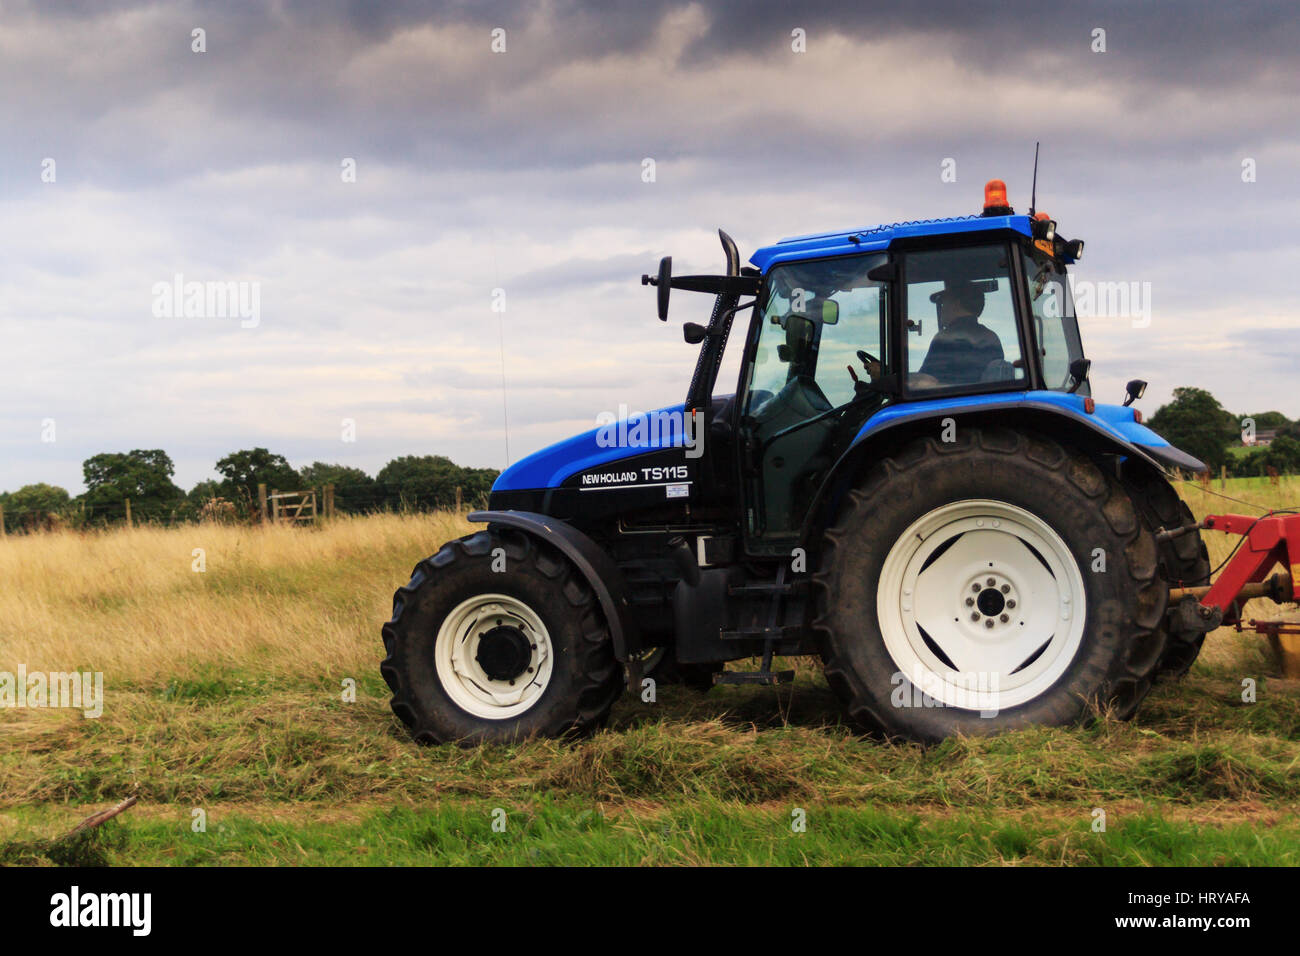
{"x": 961, "y": 299}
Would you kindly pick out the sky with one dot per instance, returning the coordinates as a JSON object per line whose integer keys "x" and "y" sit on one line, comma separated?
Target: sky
{"x": 444, "y": 210}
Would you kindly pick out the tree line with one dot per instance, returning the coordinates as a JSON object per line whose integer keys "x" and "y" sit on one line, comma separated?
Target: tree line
{"x": 1195, "y": 422}
{"x": 144, "y": 477}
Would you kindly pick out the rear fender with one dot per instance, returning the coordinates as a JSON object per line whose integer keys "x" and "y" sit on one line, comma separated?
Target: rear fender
{"x": 1110, "y": 431}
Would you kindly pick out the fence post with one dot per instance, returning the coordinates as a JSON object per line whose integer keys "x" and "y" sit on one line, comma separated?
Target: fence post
{"x": 1223, "y": 477}
{"x": 128, "y": 511}
{"x": 2, "y": 521}
{"x": 329, "y": 501}
{"x": 275, "y": 505}
{"x": 458, "y": 499}
{"x": 261, "y": 500}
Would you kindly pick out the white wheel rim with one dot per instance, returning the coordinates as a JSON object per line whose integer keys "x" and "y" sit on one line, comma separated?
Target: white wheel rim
{"x": 974, "y": 659}
{"x": 463, "y": 676}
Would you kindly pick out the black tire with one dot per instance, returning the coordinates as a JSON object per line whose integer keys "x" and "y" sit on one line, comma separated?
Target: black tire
{"x": 585, "y": 677}
{"x": 1183, "y": 562}
{"x": 1113, "y": 665}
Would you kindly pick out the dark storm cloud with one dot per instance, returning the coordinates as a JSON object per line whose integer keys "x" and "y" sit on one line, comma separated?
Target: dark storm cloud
{"x": 114, "y": 90}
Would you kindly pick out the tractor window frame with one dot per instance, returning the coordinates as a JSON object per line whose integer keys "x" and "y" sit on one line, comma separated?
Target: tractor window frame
{"x": 1015, "y": 278}
{"x": 1027, "y": 250}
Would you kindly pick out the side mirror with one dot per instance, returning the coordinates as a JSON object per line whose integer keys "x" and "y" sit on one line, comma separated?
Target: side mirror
{"x": 663, "y": 282}
{"x": 694, "y": 333}
{"x": 1135, "y": 389}
{"x": 1079, "y": 372}
{"x": 664, "y": 286}
{"x": 830, "y": 312}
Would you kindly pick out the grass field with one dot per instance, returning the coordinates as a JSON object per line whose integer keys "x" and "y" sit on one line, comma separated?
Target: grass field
{"x": 224, "y": 694}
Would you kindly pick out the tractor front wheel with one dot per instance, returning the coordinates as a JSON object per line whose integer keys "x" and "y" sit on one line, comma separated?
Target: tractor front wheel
{"x": 496, "y": 638}
{"x": 987, "y": 584}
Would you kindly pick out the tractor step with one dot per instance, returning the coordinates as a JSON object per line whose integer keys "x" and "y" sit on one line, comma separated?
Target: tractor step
{"x": 754, "y": 677}
{"x": 765, "y": 590}
{"x": 762, "y": 633}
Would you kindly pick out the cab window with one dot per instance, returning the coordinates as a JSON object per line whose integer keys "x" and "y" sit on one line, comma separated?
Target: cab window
{"x": 961, "y": 320}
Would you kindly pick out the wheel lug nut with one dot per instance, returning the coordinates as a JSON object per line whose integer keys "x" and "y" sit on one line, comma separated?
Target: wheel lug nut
{"x": 1004, "y": 618}
{"x": 975, "y": 588}
{"x": 988, "y": 622}
{"x": 991, "y": 582}
{"x": 1011, "y": 603}
{"x": 1006, "y": 589}
{"x": 975, "y": 616}
{"x": 970, "y": 602}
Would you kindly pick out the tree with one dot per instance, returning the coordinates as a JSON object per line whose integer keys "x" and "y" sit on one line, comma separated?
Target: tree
{"x": 245, "y": 470}
{"x": 1269, "y": 420}
{"x": 1283, "y": 454}
{"x": 354, "y": 490}
{"x": 33, "y": 506}
{"x": 430, "y": 481}
{"x": 204, "y": 492}
{"x": 1195, "y": 422}
{"x": 144, "y": 476}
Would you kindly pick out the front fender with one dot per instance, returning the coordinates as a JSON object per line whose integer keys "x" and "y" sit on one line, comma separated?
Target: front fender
{"x": 597, "y": 567}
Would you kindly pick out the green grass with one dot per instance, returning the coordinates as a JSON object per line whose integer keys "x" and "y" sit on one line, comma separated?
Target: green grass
{"x": 570, "y": 831}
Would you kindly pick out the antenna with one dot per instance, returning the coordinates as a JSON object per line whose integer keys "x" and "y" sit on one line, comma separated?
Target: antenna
{"x": 1033, "y": 196}
{"x": 505, "y": 407}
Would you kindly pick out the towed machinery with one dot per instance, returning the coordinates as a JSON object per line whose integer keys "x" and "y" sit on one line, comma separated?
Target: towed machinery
{"x": 911, "y": 479}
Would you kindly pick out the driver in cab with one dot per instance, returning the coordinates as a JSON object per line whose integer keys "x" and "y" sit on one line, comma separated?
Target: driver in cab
{"x": 962, "y": 349}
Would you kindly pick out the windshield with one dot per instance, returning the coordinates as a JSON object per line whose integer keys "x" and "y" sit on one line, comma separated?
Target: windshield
{"x": 1055, "y": 325}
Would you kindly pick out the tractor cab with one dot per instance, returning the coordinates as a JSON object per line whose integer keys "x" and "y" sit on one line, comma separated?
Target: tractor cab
{"x": 849, "y": 325}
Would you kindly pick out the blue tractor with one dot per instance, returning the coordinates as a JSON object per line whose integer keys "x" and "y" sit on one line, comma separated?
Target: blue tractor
{"x": 911, "y": 480}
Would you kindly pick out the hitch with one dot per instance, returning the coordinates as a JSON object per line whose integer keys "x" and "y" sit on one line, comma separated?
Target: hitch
{"x": 1267, "y": 541}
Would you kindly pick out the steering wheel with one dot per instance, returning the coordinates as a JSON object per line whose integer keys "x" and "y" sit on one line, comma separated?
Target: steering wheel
{"x": 867, "y": 359}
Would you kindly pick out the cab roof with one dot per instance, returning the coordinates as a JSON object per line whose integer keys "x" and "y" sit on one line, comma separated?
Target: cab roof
{"x": 877, "y": 238}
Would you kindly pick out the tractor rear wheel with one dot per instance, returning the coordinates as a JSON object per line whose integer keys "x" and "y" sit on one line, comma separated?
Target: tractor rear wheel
{"x": 496, "y": 638}
{"x": 987, "y": 584}
{"x": 1184, "y": 562}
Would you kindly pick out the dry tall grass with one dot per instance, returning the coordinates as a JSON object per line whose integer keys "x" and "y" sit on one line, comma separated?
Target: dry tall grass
{"x": 280, "y": 601}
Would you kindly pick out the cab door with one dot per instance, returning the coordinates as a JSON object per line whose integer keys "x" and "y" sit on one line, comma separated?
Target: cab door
{"x": 817, "y": 362}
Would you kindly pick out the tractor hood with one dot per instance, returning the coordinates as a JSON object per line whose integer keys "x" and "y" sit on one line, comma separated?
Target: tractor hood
{"x": 613, "y": 440}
